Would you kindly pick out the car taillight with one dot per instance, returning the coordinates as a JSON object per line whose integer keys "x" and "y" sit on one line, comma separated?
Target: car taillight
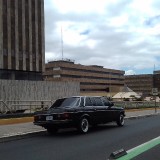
{"x": 35, "y": 118}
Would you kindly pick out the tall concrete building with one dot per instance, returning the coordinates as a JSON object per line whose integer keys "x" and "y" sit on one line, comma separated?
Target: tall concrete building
{"x": 22, "y": 39}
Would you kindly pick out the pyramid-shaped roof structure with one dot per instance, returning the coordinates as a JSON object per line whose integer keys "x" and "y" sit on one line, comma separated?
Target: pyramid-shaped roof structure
{"x": 126, "y": 89}
{"x": 126, "y": 92}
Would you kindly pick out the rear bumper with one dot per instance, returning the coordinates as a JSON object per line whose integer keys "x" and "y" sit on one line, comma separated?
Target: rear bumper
{"x": 58, "y": 123}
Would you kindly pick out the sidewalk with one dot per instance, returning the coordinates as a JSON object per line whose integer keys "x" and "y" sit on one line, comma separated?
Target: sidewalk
{"x": 13, "y": 130}
{"x": 142, "y": 112}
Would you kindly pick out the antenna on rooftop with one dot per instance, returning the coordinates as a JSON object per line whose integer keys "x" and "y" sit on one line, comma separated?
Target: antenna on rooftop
{"x": 62, "y": 42}
{"x": 154, "y": 69}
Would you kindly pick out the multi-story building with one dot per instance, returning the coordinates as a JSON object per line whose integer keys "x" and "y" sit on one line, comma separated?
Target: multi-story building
{"x": 156, "y": 79}
{"x": 156, "y": 72}
{"x": 22, "y": 39}
{"x": 94, "y": 80}
{"x": 142, "y": 83}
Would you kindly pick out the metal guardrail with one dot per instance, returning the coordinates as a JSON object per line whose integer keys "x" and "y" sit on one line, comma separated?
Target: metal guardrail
{"x": 21, "y": 106}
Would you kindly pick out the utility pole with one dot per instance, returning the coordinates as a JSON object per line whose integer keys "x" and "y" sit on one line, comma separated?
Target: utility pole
{"x": 62, "y": 42}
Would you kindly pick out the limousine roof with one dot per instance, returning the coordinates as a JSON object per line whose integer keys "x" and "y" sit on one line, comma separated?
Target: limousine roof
{"x": 85, "y": 96}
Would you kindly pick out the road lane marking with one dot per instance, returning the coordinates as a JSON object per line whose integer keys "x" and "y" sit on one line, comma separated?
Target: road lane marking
{"x": 141, "y": 149}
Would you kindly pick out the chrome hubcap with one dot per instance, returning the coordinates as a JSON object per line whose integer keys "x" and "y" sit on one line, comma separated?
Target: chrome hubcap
{"x": 84, "y": 125}
{"x": 122, "y": 120}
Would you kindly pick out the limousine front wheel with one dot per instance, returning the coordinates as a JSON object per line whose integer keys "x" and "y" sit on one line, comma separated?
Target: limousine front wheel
{"x": 83, "y": 125}
{"x": 120, "y": 120}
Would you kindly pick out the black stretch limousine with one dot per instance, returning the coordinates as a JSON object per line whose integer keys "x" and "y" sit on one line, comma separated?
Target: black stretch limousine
{"x": 79, "y": 112}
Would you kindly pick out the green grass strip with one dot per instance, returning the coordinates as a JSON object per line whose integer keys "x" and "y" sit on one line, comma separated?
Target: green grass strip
{"x": 140, "y": 149}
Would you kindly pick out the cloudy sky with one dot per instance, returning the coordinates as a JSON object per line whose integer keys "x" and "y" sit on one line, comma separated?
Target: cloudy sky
{"x": 116, "y": 34}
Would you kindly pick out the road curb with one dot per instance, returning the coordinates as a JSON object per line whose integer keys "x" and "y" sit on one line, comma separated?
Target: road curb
{"x": 142, "y": 116}
{"x": 21, "y": 136}
{"x": 42, "y": 132}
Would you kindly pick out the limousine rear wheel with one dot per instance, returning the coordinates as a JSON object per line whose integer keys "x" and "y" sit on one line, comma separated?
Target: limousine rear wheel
{"x": 83, "y": 125}
{"x": 120, "y": 120}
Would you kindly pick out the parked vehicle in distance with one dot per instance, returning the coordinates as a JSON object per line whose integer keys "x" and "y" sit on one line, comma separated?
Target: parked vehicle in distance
{"x": 80, "y": 112}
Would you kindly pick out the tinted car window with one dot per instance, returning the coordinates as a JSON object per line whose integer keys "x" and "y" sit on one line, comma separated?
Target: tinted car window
{"x": 106, "y": 102}
{"x": 93, "y": 101}
{"x": 98, "y": 101}
{"x": 88, "y": 101}
{"x": 66, "y": 102}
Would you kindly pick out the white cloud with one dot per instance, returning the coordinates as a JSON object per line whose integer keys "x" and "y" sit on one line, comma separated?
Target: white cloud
{"x": 115, "y": 34}
{"x": 130, "y": 72}
{"x": 80, "y": 6}
{"x": 142, "y": 6}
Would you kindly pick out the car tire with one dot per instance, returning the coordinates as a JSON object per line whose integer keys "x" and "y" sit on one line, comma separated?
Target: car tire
{"x": 83, "y": 126}
{"x": 120, "y": 120}
{"x": 52, "y": 130}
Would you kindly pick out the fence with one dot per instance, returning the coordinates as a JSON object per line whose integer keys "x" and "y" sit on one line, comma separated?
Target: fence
{"x": 36, "y": 90}
{"x": 137, "y": 104}
{"x": 27, "y": 96}
{"x": 23, "y": 106}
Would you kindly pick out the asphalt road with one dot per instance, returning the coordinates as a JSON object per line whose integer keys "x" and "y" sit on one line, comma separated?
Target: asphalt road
{"x": 96, "y": 145}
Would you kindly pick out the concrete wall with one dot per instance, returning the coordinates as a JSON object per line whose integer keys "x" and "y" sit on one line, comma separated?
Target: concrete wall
{"x": 37, "y": 90}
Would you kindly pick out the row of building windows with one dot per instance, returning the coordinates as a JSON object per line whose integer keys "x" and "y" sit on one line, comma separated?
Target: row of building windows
{"x": 141, "y": 89}
{"x": 88, "y": 77}
{"x": 100, "y": 84}
{"x": 83, "y": 70}
{"x": 140, "y": 85}
{"x": 95, "y": 90}
{"x": 138, "y": 80}
{"x": 20, "y": 75}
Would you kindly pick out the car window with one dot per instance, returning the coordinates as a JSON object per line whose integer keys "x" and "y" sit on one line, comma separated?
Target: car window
{"x": 97, "y": 101}
{"x": 93, "y": 101}
{"x": 66, "y": 102}
{"x": 106, "y": 102}
{"x": 88, "y": 101}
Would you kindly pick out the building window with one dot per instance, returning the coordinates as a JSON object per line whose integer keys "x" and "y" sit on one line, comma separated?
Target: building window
{"x": 56, "y": 68}
{"x": 56, "y": 76}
